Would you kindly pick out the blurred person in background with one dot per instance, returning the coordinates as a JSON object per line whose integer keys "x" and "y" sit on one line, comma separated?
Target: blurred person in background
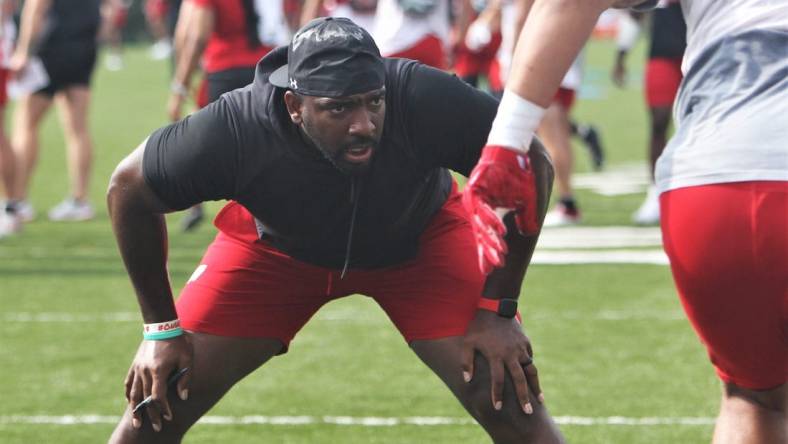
{"x": 414, "y": 29}
{"x": 9, "y": 221}
{"x": 228, "y": 38}
{"x": 477, "y": 42}
{"x": 156, "y": 15}
{"x": 115, "y": 14}
{"x": 362, "y": 12}
{"x": 63, "y": 35}
{"x": 662, "y": 79}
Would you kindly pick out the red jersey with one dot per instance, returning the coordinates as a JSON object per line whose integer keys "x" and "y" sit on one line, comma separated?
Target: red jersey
{"x": 232, "y": 45}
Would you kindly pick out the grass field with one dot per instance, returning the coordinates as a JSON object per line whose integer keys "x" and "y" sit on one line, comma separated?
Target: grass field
{"x": 618, "y": 361}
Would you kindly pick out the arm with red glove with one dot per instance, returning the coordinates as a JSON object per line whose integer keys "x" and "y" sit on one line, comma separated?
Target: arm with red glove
{"x": 503, "y": 180}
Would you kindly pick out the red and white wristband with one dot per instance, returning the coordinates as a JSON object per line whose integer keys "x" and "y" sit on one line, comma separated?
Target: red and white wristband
{"x": 162, "y": 330}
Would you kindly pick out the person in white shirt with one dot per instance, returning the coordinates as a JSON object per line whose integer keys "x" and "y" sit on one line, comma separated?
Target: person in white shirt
{"x": 723, "y": 180}
{"x": 413, "y": 29}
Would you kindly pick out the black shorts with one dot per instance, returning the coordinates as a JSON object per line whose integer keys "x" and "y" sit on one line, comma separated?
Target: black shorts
{"x": 220, "y": 82}
{"x": 68, "y": 66}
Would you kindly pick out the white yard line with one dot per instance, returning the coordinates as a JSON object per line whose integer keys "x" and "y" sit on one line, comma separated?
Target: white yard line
{"x": 362, "y": 421}
{"x": 584, "y": 257}
{"x": 614, "y": 181}
{"x": 578, "y": 237}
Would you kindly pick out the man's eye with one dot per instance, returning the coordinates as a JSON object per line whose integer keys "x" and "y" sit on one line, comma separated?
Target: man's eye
{"x": 377, "y": 101}
{"x": 337, "y": 109}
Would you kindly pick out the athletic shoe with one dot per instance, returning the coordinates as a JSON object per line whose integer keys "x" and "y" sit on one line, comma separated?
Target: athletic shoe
{"x": 24, "y": 211}
{"x": 9, "y": 224}
{"x": 72, "y": 210}
{"x": 161, "y": 50}
{"x": 113, "y": 62}
{"x": 648, "y": 213}
{"x": 193, "y": 218}
{"x": 593, "y": 142}
{"x": 561, "y": 216}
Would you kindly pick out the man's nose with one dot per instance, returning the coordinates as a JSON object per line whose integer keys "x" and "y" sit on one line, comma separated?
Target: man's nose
{"x": 362, "y": 124}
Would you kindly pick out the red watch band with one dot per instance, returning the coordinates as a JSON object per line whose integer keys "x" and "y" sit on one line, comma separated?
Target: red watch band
{"x": 505, "y": 308}
{"x": 488, "y": 304}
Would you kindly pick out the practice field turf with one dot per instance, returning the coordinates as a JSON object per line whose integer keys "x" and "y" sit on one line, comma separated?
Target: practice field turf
{"x": 618, "y": 361}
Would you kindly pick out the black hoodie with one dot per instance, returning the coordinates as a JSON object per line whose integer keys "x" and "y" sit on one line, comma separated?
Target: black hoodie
{"x": 244, "y": 147}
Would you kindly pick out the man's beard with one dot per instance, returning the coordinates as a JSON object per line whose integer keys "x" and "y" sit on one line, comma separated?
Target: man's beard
{"x": 336, "y": 160}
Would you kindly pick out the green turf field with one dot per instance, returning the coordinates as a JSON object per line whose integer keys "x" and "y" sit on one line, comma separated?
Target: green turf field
{"x": 617, "y": 360}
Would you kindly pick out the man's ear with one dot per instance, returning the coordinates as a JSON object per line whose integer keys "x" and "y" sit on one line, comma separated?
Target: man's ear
{"x": 294, "y": 104}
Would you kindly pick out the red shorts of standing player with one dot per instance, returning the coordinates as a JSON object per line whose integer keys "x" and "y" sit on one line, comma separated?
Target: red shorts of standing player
{"x": 743, "y": 225}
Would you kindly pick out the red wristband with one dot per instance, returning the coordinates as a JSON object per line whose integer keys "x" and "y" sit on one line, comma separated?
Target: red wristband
{"x": 506, "y": 308}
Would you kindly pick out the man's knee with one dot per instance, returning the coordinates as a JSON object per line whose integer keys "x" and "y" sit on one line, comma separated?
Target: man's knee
{"x": 510, "y": 420}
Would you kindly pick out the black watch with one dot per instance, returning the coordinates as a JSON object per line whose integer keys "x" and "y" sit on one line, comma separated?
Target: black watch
{"x": 505, "y": 308}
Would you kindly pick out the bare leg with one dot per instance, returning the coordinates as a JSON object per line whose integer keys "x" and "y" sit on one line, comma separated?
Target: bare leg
{"x": 73, "y": 107}
{"x": 752, "y": 417}
{"x": 554, "y": 132}
{"x": 219, "y": 362}
{"x": 7, "y": 159}
{"x": 24, "y": 139}
{"x": 509, "y": 425}
{"x": 660, "y": 121}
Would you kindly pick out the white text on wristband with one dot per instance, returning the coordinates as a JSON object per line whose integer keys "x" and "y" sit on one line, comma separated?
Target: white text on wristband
{"x": 162, "y": 330}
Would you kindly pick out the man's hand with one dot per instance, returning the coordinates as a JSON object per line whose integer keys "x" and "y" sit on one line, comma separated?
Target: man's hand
{"x": 501, "y": 341}
{"x": 503, "y": 179}
{"x": 153, "y": 364}
{"x": 175, "y": 106}
{"x": 18, "y": 63}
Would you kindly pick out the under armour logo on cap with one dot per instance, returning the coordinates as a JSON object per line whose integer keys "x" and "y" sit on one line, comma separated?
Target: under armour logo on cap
{"x": 331, "y": 57}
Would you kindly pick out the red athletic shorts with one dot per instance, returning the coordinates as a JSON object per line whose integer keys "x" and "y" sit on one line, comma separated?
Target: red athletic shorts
{"x": 156, "y": 9}
{"x": 470, "y": 63}
{"x": 428, "y": 51}
{"x": 120, "y": 17}
{"x": 3, "y": 87}
{"x": 663, "y": 77}
{"x": 565, "y": 97}
{"x": 728, "y": 249}
{"x": 244, "y": 287}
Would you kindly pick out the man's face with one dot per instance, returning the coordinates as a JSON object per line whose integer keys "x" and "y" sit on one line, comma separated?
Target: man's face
{"x": 346, "y": 130}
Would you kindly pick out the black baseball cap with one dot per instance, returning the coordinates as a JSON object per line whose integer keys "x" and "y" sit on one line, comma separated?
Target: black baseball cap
{"x": 331, "y": 57}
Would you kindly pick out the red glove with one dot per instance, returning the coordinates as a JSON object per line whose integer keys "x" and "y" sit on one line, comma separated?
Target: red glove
{"x": 503, "y": 179}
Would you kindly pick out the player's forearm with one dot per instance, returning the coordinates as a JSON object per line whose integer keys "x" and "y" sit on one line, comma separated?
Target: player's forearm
{"x": 199, "y": 23}
{"x": 141, "y": 234}
{"x": 506, "y": 282}
{"x": 31, "y": 22}
{"x": 188, "y": 60}
{"x": 552, "y": 37}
